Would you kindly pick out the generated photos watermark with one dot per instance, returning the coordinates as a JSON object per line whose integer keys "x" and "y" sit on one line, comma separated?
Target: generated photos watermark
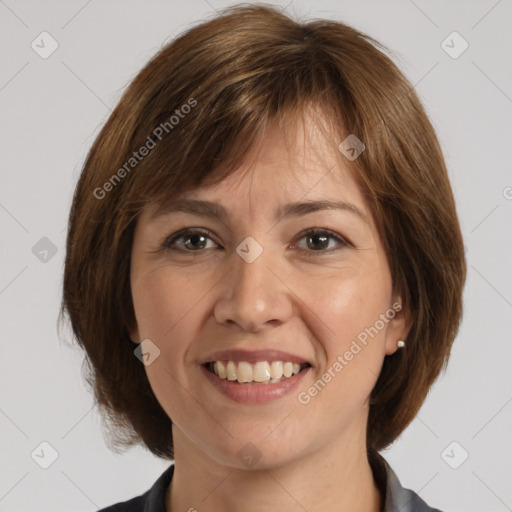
{"x": 361, "y": 341}
{"x": 158, "y": 133}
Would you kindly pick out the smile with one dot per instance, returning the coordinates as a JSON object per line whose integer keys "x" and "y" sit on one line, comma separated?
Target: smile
{"x": 260, "y": 372}
{"x": 237, "y": 381}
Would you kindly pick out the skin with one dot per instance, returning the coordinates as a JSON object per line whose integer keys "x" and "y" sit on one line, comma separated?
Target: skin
{"x": 292, "y": 298}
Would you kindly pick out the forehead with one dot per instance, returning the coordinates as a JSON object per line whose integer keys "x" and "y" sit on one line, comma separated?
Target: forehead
{"x": 298, "y": 162}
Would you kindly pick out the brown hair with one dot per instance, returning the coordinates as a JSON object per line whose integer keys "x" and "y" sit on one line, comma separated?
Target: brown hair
{"x": 213, "y": 90}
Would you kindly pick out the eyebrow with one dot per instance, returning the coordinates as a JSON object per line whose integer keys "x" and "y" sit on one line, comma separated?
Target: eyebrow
{"x": 215, "y": 210}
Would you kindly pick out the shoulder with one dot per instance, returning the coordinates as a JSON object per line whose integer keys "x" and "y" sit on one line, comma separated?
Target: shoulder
{"x": 136, "y": 504}
{"x": 153, "y": 500}
{"x": 405, "y": 500}
{"x": 397, "y": 498}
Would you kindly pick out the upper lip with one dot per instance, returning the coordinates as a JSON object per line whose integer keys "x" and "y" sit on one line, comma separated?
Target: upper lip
{"x": 253, "y": 356}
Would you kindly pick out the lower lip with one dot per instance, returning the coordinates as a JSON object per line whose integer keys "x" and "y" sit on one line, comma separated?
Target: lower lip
{"x": 254, "y": 393}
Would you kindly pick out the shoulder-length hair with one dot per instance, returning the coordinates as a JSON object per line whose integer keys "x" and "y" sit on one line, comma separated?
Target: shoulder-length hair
{"x": 203, "y": 101}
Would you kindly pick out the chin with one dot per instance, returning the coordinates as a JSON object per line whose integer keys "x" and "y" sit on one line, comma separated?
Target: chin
{"x": 254, "y": 453}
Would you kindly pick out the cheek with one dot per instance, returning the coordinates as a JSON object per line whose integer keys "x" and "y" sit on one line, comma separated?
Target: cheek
{"x": 346, "y": 321}
{"x": 164, "y": 301}
{"x": 166, "y": 308}
{"x": 346, "y": 310}
{"x": 345, "y": 303}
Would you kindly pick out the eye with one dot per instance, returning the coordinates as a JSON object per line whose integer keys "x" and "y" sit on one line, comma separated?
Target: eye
{"x": 193, "y": 239}
{"x": 196, "y": 240}
{"x": 319, "y": 239}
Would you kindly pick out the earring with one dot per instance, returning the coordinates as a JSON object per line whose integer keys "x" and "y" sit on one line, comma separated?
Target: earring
{"x": 400, "y": 343}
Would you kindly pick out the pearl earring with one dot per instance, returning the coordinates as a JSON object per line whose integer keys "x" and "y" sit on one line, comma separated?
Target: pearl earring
{"x": 400, "y": 343}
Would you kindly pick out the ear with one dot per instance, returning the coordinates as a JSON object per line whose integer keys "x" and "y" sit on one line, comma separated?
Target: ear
{"x": 399, "y": 326}
{"x": 133, "y": 332}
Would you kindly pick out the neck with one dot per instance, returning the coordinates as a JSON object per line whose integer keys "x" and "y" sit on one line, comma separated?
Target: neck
{"x": 337, "y": 477}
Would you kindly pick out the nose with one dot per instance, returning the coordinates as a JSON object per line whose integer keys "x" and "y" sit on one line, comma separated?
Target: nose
{"x": 253, "y": 295}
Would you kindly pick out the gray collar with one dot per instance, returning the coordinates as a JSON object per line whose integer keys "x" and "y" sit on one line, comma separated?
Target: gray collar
{"x": 397, "y": 498}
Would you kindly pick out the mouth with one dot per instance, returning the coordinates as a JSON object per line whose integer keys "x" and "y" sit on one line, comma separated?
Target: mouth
{"x": 259, "y": 372}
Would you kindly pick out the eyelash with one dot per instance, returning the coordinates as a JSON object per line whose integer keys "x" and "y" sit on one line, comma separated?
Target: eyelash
{"x": 184, "y": 233}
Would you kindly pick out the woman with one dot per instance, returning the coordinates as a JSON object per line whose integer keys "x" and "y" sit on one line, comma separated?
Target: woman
{"x": 265, "y": 267}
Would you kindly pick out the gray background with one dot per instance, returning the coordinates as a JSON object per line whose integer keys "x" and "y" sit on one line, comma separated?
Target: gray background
{"x": 51, "y": 110}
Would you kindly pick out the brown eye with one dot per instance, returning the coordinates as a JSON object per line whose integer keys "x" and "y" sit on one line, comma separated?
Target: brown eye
{"x": 318, "y": 240}
{"x": 190, "y": 240}
{"x": 196, "y": 240}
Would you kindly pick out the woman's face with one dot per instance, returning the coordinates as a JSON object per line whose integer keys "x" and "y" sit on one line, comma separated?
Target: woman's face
{"x": 261, "y": 295}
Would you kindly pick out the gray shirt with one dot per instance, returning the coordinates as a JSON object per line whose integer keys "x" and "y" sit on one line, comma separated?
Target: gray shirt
{"x": 396, "y": 498}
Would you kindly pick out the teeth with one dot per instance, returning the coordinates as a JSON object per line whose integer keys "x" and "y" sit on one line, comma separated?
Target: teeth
{"x": 261, "y": 371}
{"x": 244, "y": 372}
{"x": 231, "y": 371}
{"x": 221, "y": 369}
{"x": 276, "y": 369}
